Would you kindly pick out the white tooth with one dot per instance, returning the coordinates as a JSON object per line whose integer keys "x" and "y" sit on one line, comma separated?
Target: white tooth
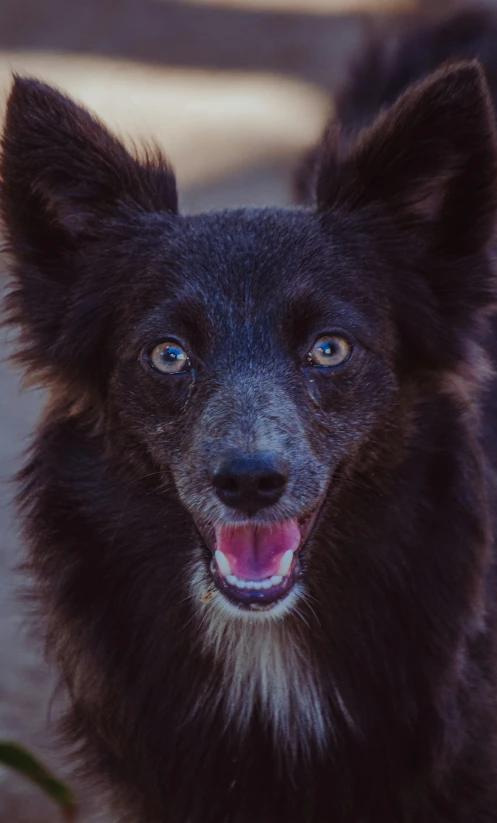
{"x": 256, "y": 584}
{"x": 241, "y": 584}
{"x": 275, "y": 580}
{"x": 285, "y": 563}
{"x": 231, "y": 579}
{"x": 223, "y": 563}
{"x": 249, "y": 584}
{"x": 266, "y": 584}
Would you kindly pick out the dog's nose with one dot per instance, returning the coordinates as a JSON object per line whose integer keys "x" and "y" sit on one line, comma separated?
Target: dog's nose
{"x": 251, "y": 482}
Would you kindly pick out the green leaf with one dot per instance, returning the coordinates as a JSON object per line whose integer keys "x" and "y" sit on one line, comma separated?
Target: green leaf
{"x": 21, "y": 760}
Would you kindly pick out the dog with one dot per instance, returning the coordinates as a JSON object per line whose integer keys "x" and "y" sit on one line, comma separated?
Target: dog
{"x": 259, "y": 507}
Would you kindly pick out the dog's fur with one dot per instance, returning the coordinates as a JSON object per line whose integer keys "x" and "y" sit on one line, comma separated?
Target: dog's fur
{"x": 370, "y": 694}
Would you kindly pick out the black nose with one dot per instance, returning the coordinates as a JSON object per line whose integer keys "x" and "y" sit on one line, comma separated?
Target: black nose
{"x": 251, "y": 482}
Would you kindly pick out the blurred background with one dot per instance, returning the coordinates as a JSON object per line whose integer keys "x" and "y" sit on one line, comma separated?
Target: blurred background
{"x": 234, "y": 90}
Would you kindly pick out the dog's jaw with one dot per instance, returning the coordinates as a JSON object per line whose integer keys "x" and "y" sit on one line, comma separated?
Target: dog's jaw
{"x": 264, "y": 656}
{"x": 268, "y": 585}
{"x": 206, "y": 591}
{"x": 265, "y": 662}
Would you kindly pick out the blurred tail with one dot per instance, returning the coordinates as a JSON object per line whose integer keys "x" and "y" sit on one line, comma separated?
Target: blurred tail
{"x": 385, "y": 69}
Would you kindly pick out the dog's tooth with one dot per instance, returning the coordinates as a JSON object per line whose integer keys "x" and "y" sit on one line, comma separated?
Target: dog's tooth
{"x": 266, "y": 584}
{"x": 275, "y": 580}
{"x": 231, "y": 579}
{"x": 285, "y": 563}
{"x": 223, "y": 563}
{"x": 241, "y": 583}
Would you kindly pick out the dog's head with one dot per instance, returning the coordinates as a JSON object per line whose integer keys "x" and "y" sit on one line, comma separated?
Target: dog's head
{"x": 252, "y": 360}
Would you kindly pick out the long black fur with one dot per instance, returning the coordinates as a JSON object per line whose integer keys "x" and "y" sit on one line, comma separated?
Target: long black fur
{"x": 395, "y": 632}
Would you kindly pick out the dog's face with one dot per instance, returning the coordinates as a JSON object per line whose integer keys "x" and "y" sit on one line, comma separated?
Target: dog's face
{"x": 254, "y": 381}
{"x": 253, "y": 359}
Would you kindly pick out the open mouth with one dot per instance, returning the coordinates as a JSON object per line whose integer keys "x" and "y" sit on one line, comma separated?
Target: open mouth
{"x": 256, "y": 565}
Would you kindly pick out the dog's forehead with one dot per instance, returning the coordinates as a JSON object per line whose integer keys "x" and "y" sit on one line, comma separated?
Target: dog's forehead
{"x": 265, "y": 254}
{"x": 254, "y": 244}
{"x": 258, "y": 272}
{"x": 267, "y": 257}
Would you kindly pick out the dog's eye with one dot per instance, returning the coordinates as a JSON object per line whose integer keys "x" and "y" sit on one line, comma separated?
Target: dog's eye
{"x": 331, "y": 350}
{"x": 170, "y": 358}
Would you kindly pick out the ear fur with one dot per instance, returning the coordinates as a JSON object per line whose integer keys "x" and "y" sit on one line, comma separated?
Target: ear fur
{"x": 61, "y": 169}
{"x": 66, "y": 182}
{"x": 431, "y": 158}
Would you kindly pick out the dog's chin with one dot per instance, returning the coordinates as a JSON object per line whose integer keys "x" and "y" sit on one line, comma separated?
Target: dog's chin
{"x": 265, "y": 587}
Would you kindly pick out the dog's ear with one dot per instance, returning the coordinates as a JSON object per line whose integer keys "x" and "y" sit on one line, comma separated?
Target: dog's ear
{"x": 430, "y": 159}
{"x": 70, "y": 193}
{"x": 62, "y": 172}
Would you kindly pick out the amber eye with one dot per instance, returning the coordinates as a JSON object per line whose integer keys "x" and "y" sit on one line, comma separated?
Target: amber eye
{"x": 170, "y": 358}
{"x": 330, "y": 350}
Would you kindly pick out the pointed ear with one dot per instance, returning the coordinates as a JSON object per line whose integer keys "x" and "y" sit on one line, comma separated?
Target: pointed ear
{"x": 72, "y": 201}
{"x": 62, "y": 172}
{"x": 430, "y": 159}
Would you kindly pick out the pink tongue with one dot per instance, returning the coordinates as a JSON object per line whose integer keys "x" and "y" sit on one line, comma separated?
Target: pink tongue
{"x": 255, "y": 551}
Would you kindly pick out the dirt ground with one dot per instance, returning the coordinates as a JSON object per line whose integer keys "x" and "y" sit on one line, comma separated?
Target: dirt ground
{"x": 234, "y": 94}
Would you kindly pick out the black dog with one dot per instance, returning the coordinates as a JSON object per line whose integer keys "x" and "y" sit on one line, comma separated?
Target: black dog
{"x": 260, "y": 503}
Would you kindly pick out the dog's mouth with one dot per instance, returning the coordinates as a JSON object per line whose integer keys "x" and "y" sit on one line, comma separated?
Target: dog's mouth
{"x": 256, "y": 565}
